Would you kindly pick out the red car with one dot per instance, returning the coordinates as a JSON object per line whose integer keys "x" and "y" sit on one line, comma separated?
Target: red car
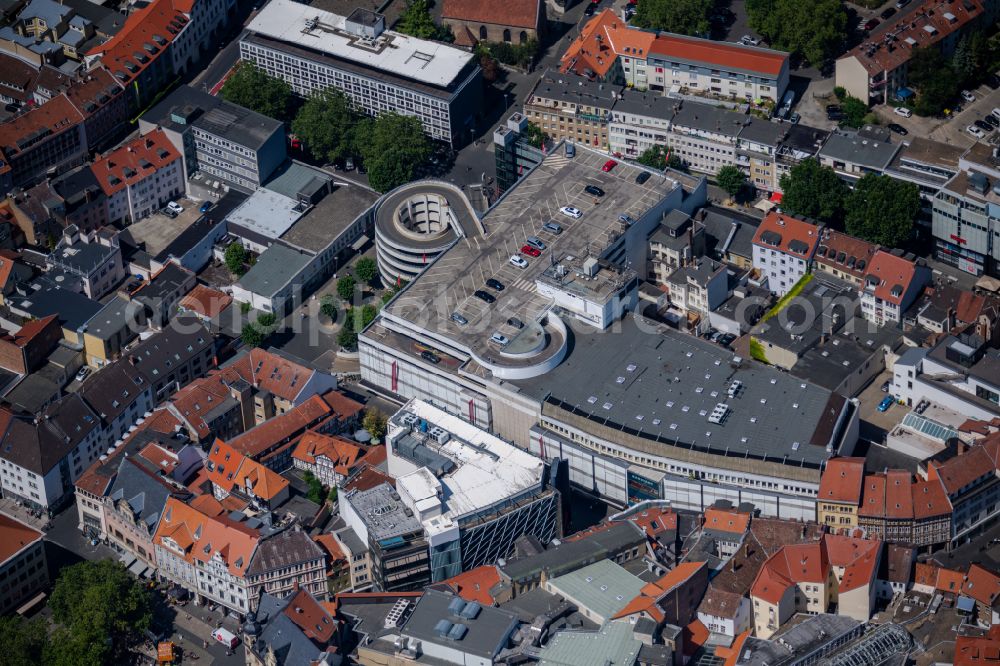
{"x": 530, "y": 251}
{"x": 609, "y": 165}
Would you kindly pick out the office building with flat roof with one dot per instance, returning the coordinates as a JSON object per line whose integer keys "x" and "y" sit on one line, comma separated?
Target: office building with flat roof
{"x": 380, "y": 70}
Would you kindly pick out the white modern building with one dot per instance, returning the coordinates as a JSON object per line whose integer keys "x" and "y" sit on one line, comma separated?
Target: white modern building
{"x": 379, "y": 70}
{"x": 140, "y": 177}
{"x": 474, "y": 493}
{"x": 783, "y": 248}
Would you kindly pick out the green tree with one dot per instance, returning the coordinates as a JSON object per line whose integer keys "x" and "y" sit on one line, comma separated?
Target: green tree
{"x": 328, "y": 307}
{"x": 812, "y": 190}
{"x": 686, "y": 17}
{"x": 23, "y": 641}
{"x": 327, "y": 123}
{"x": 855, "y": 111}
{"x": 489, "y": 65}
{"x": 963, "y": 60}
{"x": 348, "y": 337}
{"x": 235, "y": 257}
{"x": 316, "y": 492}
{"x": 366, "y": 269}
{"x": 374, "y": 422}
{"x": 815, "y": 31}
{"x": 882, "y": 210}
{"x": 395, "y": 146}
{"x": 731, "y": 179}
{"x": 252, "y": 87}
{"x": 102, "y": 612}
{"x": 535, "y": 136}
{"x": 416, "y": 21}
{"x": 252, "y": 336}
{"x": 345, "y": 287}
{"x": 936, "y": 82}
{"x": 655, "y": 157}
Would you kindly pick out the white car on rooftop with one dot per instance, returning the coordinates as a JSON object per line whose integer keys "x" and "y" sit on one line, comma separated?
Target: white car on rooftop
{"x": 570, "y": 211}
{"x": 519, "y": 261}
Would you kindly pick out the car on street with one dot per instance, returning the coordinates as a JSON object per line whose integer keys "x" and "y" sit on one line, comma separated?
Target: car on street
{"x": 968, "y": 96}
{"x": 795, "y": 117}
{"x": 642, "y": 177}
{"x": 535, "y": 242}
{"x": 175, "y": 207}
{"x": 886, "y": 403}
{"x": 976, "y": 132}
{"x": 902, "y": 3}
{"x": 518, "y": 261}
{"x": 609, "y": 165}
{"x": 898, "y": 129}
{"x": 205, "y": 207}
{"x": 871, "y": 24}
{"x": 570, "y": 211}
{"x": 495, "y": 284}
{"x": 552, "y": 227}
{"x": 594, "y": 190}
{"x": 430, "y": 356}
{"x": 484, "y": 296}
{"x": 890, "y": 11}
{"x": 590, "y": 10}
{"x": 459, "y": 319}
{"x": 530, "y": 251}
{"x": 84, "y": 373}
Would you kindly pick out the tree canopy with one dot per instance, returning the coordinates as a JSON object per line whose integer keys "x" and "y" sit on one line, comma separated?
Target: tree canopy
{"x": 685, "y": 17}
{"x": 812, "y": 190}
{"x": 328, "y": 123}
{"x": 416, "y": 21}
{"x": 374, "y": 422}
{"x": 395, "y": 146}
{"x": 23, "y": 641}
{"x": 101, "y": 612}
{"x": 252, "y": 87}
{"x": 731, "y": 179}
{"x": 366, "y": 269}
{"x": 815, "y": 30}
{"x": 882, "y": 210}
{"x": 936, "y": 82}
{"x": 235, "y": 256}
{"x": 346, "y": 286}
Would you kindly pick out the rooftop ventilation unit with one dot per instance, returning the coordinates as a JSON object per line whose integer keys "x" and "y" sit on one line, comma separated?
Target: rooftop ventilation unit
{"x": 719, "y": 413}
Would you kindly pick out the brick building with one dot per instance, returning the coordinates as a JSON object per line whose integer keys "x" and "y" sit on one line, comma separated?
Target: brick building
{"x": 511, "y": 21}
{"x": 25, "y": 350}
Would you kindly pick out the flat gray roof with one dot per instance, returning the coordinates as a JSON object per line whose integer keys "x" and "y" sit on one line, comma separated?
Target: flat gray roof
{"x": 328, "y": 219}
{"x": 603, "y": 587}
{"x": 856, "y": 149}
{"x": 112, "y": 318}
{"x": 275, "y": 267}
{"x": 661, "y": 385}
{"x": 708, "y": 118}
{"x": 487, "y": 633}
{"x": 384, "y": 514}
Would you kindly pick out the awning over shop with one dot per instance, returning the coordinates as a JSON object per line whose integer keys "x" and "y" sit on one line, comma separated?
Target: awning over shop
{"x": 776, "y": 197}
{"x": 137, "y": 567}
{"x": 360, "y": 243}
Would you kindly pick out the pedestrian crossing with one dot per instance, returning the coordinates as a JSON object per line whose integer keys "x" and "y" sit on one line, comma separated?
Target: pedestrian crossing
{"x": 556, "y": 160}
{"x": 525, "y": 284}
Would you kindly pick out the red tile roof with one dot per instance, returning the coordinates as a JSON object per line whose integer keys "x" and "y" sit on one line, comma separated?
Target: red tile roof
{"x": 330, "y": 546}
{"x": 890, "y": 276}
{"x": 366, "y": 478}
{"x": 811, "y": 562}
{"x": 601, "y": 41}
{"x": 341, "y": 452}
{"x": 646, "y": 600}
{"x": 516, "y": 13}
{"x": 96, "y": 90}
{"x": 282, "y": 428}
{"x": 978, "y": 650}
{"x": 309, "y": 616}
{"x": 475, "y": 584}
{"x": 726, "y": 521}
{"x": 842, "y": 480}
{"x": 655, "y": 520}
{"x": 779, "y": 231}
{"x": 230, "y": 470}
{"x": 720, "y": 55}
{"x": 14, "y": 535}
{"x": 981, "y": 584}
{"x": 144, "y": 38}
{"x": 199, "y": 537}
{"x": 845, "y": 253}
{"x": 55, "y": 116}
{"x": 134, "y": 161}
{"x": 30, "y": 330}
{"x": 205, "y": 301}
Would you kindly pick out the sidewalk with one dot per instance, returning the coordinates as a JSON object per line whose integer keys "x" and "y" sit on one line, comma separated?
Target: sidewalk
{"x": 24, "y": 514}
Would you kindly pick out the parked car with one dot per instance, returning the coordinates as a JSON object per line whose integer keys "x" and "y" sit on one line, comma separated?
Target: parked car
{"x": 890, "y": 11}
{"x": 991, "y": 120}
{"x": 983, "y": 125}
{"x": 535, "y": 242}
{"x": 570, "y": 150}
{"x": 968, "y": 96}
{"x": 349, "y": 164}
{"x": 832, "y": 108}
{"x": 749, "y": 40}
{"x": 515, "y": 322}
{"x": 570, "y": 211}
{"x": 795, "y": 117}
{"x": 169, "y": 213}
{"x": 459, "y": 319}
{"x": 530, "y": 251}
{"x": 495, "y": 284}
{"x": 886, "y": 403}
{"x": 835, "y": 115}
{"x": 902, "y": 111}
{"x": 175, "y": 207}
{"x": 976, "y": 132}
{"x": 898, "y": 129}
{"x": 84, "y": 373}
{"x": 885, "y": 386}
{"x": 594, "y": 190}
{"x": 499, "y": 338}
{"x": 642, "y": 177}
{"x": 626, "y": 219}
{"x": 518, "y": 261}
{"x": 552, "y": 227}
{"x": 609, "y": 165}
{"x": 204, "y": 208}
{"x": 871, "y": 24}
{"x": 484, "y": 296}
{"x": 901, "y": 3}
{"x": 430, "y": 356}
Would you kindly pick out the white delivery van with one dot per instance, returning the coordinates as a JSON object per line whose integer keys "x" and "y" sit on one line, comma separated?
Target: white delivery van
{"x": 226, "y": 637}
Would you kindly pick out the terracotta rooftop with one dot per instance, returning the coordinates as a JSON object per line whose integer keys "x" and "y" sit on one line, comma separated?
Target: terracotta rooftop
{"x": 720, "y": 55}
{"x": 788, "y": 234}
{"x": 721, "y": 520}
{"x": 94, "y": 91}
{"x": 842, "y": 480}
{"x": 978, "y": 650}
{"x": 601, "y": 41}
{"x": 981, "y": 584}
{"x": 282, "y": 428}
{"x": 144, "y": 38}
{"x": 811, "y": 562}
{"x": 29, "y": 331}
{"x": 340, "y": 452}
{"x": 309, "y": 616}
{"x": 366, "y": 478}
{"x": 646, "y": 600}
{"x": 515, "y": 13}
{"x": 230, "y": 470}
{"x": 55, "y": 116}
{"x": 475, "y": 584}
{"x": 14, "y": 535}
{"x": 844, "y": 253}
{"x": 134, "y": 161}
{"x": 890, "y": 276}
{"x": 961, "y": 470}
{"x": 205, "y": 301}
{"x": 188, "y": 533}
